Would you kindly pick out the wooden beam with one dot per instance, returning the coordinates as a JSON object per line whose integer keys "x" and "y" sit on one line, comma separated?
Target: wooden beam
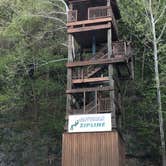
{"x": 95, "y": 62}
{"x": 88, "y": 80}
{"x": 110, "y": 74}
{"x": 96, "y": 102}
{"x": 69, "y": 72}
{"x": 82, "y": 90}
{"x": 88, "y": 28}
{"x": 114, "y": 23}
{"x": 84, "y": 102}
{"x": 99, "y": 20}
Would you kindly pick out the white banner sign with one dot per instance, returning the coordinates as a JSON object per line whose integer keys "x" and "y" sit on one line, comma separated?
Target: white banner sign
{"x": 90, "y": 123}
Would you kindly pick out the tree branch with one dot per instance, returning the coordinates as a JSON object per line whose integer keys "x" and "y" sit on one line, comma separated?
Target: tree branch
{"x": 161, "y": 34}
{"x": 146, "y": 11}
{"x": 48, "y": 17}
{"x": 63, "y": 2}
{"x": 55, "y": 12}
{"x": 161, "y": 15}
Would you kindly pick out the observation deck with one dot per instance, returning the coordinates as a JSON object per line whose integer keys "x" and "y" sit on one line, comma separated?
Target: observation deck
{"x": 88, "y": 18}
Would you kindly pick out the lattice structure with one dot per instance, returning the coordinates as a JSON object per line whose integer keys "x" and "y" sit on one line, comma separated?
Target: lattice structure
{"x": 96, "y": 70}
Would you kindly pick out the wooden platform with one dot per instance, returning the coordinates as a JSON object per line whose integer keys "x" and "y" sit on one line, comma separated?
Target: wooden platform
{"x": 118, "y": 59}
{"x": 93, "y": 149}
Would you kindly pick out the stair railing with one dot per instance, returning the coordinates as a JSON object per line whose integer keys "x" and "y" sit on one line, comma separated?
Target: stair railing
{"x": 93, "y": 109}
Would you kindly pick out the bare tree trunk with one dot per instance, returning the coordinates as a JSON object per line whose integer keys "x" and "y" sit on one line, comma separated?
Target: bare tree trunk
{"x": 157, "y": 79}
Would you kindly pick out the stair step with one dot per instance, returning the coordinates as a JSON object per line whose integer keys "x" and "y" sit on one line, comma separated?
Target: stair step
{"x": 92, "y": 72}
{"x": 100, "y": 53}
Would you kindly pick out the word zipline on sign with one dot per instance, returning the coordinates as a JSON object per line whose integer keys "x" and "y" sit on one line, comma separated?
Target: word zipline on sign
{"x": 90, "y": 123}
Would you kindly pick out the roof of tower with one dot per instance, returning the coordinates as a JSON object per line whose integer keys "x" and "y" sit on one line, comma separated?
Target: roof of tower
{"x": 114, "y": 5}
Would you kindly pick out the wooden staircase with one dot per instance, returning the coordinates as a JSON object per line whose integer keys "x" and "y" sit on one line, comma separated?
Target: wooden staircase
{"x": 91, "y": 70}
{"x": 86, "y": 71}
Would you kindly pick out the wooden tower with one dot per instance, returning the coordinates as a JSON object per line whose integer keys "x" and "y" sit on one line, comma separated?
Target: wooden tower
{"x": 98, "y": 63}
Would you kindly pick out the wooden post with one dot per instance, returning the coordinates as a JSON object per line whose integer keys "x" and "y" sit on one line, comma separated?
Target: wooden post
{"x": 69, "y": 73}
{"x": 110, "y": 73}
{"x": 111, "y": 81}
{"x": 84, "y": 102}
{"x": 108, "y": 3}
{"x": 96, "y": 101}
{"x": 93, "y": 45}
{"x": 82, "y": 73}
{"x": 88, "y": 13}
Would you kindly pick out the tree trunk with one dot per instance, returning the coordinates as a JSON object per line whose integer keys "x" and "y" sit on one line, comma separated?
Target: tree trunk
{"x": 157, "y": 79}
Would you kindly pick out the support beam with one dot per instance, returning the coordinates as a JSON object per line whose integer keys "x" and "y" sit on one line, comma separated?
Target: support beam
{"x": 97, "y": 62}
{"x": 111, "y": 80}
{"x": 84, "y": 102}
{"x": 88, "y": 80}
{"x": 96, "y": 102}
{"x": 88, "y": 28}
{"x": 85, "y": 22}
{"x": 93, "y": 45}
{"x": 69, "y": 72}
{"x": 82, "y": 90}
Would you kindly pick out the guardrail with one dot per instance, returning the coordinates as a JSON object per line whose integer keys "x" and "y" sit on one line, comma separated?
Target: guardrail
{"x": 121, "y": 48}
{"x": 99, "y": 12}
{"x": 93, "y": 13}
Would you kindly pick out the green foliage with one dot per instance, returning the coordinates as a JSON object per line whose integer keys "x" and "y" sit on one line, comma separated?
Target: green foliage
{"x": 141, "y": 103}
{"x": 32, "y": 81}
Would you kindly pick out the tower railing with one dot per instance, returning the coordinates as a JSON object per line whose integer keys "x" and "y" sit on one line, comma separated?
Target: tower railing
{"x": 99, "y": 12}
{"x": 93, "y": 13}
{"x": 121, "y": 48}
{"x": 103, "y": 105}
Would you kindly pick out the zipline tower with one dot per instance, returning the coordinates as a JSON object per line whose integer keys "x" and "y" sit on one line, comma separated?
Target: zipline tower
{"x": 98, "y": 64}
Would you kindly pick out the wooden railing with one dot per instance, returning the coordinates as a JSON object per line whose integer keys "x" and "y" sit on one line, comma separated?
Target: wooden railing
{"x": 121, "y": 49}
{"x": 85, "y": 72}
{"x": 104, "y": 105}
{"x": 78, "y": 73}
{"x": 93, "y": 13}
{"x": 72, "y": 15}
{"x": 99, "y": 12}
